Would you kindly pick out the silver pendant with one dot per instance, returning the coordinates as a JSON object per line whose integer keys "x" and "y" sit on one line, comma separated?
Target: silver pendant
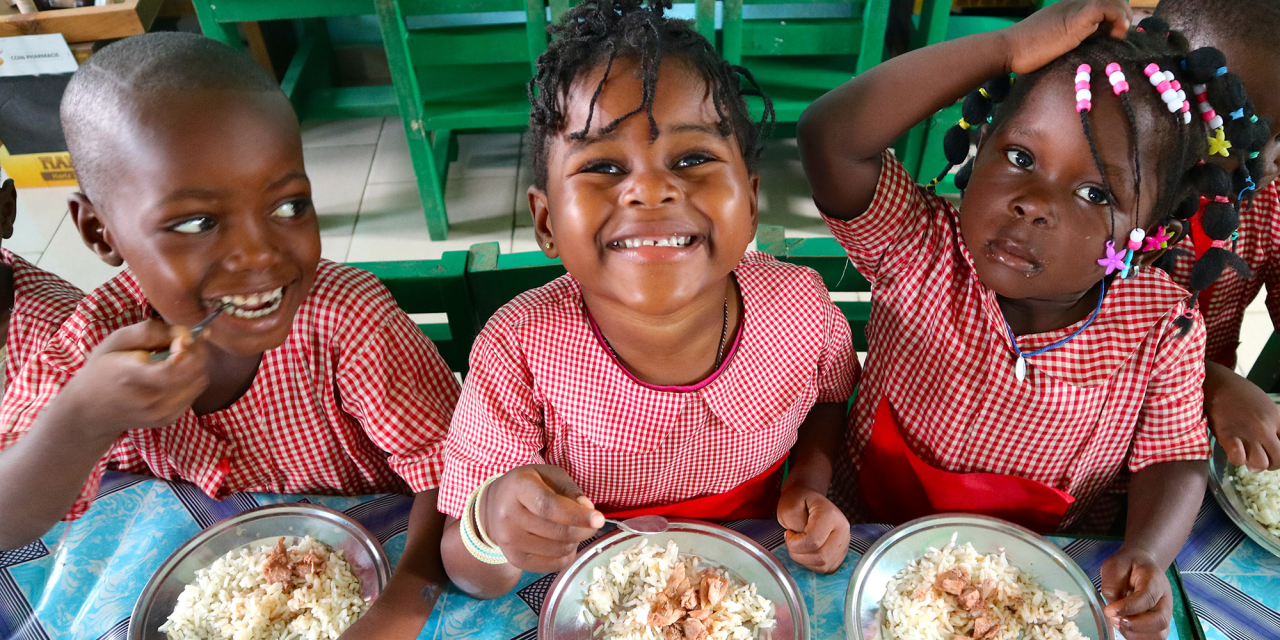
{"x": 1020, "y": 369}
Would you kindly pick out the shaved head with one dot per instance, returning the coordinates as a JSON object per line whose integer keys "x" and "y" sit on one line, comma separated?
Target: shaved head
{"x": 126, "y": 79}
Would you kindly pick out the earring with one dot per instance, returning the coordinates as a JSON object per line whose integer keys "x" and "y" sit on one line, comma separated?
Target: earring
{"x": 548, "y": 245}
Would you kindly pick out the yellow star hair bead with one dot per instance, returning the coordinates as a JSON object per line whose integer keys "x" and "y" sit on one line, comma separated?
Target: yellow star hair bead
{"x": 1219, "y": 144}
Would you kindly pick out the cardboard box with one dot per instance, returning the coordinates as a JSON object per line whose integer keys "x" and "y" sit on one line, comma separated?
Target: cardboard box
{"x": 34, "y": 71}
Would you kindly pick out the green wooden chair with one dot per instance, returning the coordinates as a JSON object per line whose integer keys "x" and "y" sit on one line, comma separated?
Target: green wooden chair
{"x": 308, "y": 82}
{"x": 434, "y": 286}
{"x": 449, "y": 78}
{"x": 796, "y": 60}
{"x": 825, "y": 256}
{"x": 704, "y": 21}
{"x": 494, "y": 278}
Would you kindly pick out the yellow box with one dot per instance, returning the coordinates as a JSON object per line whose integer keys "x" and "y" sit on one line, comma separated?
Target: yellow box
{"x": 39, "y": 169}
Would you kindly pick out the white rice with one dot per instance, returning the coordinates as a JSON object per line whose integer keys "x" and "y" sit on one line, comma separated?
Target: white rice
{"x": 913, "y": 608}
{"x": 620, "y": 596}
{"x": 232, "y": 600}
{"x": 1261, "y": 495}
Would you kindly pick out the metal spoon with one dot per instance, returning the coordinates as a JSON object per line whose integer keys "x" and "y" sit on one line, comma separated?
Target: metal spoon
{"x": 642, "y": 525}
{"x": 161, "y": 356}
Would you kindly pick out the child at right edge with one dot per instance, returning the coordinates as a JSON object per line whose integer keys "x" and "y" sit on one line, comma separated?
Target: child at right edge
{"x": 1023, "y": 355}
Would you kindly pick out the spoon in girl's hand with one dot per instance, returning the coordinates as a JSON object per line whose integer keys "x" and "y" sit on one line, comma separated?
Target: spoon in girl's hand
{"x": 642, "y": 525}
{"x": 161, "y": 356}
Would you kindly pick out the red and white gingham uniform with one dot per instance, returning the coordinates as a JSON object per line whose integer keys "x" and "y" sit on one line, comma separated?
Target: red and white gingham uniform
{"x": 543, "y": 389}
{"x": 1259, "y": 246}
{"x": 355, "y": 401}
{"x": 1126, "y": 391}
{"x": 41, "y": 303}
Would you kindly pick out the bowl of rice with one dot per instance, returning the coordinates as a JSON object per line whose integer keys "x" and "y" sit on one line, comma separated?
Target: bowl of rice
{"x": 965, "y": 577}
{"x": 696, "y": 578}
{"x": 284, "y": 571}
{"x": 1251, "y": 500}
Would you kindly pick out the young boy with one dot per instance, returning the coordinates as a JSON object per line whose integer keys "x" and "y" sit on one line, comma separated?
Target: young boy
{"x": 1243, "y": 418}
{"x": 312, "y": 380}
{"x": 33, "y": 302}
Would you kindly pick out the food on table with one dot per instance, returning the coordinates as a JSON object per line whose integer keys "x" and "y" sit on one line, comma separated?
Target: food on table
{"x": 651, "y": 593}
{"x": 956, "y": 593}
{"x": 1261, "y": 495}
{"x": 270, "y": 593}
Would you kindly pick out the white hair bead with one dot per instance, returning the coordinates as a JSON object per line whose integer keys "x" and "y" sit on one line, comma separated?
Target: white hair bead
{"x": 1084, "y": 94}
{"x": 1082, "y": 77}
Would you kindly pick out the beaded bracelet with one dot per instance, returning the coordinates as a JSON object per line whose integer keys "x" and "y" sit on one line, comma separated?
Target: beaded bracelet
{"x": 476, "y": 545}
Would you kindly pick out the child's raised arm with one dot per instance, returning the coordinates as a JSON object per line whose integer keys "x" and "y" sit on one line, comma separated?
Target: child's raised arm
{"x": 843, "y": 133}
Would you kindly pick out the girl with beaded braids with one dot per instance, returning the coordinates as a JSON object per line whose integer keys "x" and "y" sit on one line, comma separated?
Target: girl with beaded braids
{"x": 1030, "y": 314}
{"x": 671, "y": 372}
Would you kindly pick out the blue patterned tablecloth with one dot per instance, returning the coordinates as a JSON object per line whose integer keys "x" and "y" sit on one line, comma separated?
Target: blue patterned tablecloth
{"x": 81, "y": 580}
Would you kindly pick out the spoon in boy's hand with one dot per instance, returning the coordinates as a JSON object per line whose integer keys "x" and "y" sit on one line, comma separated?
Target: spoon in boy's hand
{"x": 161, "y": 356}
{"x": 641, "y": 525}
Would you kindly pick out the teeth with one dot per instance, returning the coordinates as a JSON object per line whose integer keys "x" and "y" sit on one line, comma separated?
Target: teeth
{"x": 271, "y": 298}
{"x": 673, "y": 241}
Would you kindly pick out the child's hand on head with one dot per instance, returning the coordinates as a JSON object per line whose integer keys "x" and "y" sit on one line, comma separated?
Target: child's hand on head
{"x": 1245, "y": 420}
{"x": 119, "y": 388}
{"x": 537, "y": 516}
{"x": 1140, "y": 600}
{"x": 1061, "y": 27}
{"x": 817, "y": 532}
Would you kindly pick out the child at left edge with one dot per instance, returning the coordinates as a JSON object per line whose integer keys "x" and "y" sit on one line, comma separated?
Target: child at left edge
{"x": 313, "y": 381}
{"x": 33, "y": 302}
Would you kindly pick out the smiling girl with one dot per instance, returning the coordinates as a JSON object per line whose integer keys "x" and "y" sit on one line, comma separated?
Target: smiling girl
{"x": 671, "y": 371}
{"x": 1023, "y": 358}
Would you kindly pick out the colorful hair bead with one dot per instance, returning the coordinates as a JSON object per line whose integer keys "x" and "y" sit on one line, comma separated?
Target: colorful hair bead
{"x": 1084, "y": 97}
{"x": 1237, "y": 114}
{"x": 1170, "y": 90}
{"x": 1135, "y": 239}
{"x": 963, "y": 124}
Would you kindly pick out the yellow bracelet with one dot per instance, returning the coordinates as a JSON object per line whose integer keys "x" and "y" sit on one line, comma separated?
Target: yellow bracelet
{"x": 484, "y": 535}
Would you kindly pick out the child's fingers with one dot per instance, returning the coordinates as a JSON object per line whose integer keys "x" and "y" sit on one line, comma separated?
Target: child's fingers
{"x": 1236, "y": 453}
{"x": 1271, "y": 447}
{"x": 1118, "y": 15}
{"x": 793, "y": 514}
{"x": 143, "y": 337}
{"x": 545, "y": 503}
{"x": 1256, "y": 458}
{"x": 554, "y": 531}
{"x": 1149, "y": 624}
{"x": 1143, "y": 597}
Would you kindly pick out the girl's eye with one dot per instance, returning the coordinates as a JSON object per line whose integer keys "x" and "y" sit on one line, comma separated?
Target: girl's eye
{"x": 1093, "y": 195}
{"x": 1020, "y": 159}
{"x": 607, "y": 168}
{"x": 194, "y": 225}
{"x": 693, "y": 160}
{"x": 290, "y": 209}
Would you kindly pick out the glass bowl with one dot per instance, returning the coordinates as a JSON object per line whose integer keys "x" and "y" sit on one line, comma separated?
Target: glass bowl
{"x": 717, "y": 546}
{"x": 255, "y": 528}
{"x": 1042, "y": 560}
{"x": 1220, "y": 473}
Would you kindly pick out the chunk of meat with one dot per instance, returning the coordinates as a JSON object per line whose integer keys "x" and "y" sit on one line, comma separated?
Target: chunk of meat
{"x": 689, "y": 600}
{"x": 700, "y": 615}
{"x": 953, "y": 580}
{"x": 664, "y": 612}
{"x": 971, "y": 599}
{"x": 694, "y": 629}
{"x": 672, "y": 633}
{"x": 962, "y": 638}
{"x": 983, "y": 627}
{"x": 988, "y": 588}
{"x": 677, "y": 583}
{"x": 713, "y": 589}
{"x": 278, "y": 568}
{"x": 308, "y": 565}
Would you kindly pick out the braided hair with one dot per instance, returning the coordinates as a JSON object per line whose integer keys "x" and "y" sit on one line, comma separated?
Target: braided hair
{"x": 1179, "y": 149}
{"x": 599, "y": 32}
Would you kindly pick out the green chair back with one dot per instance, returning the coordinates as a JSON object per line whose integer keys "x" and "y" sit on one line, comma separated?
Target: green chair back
{"x": 796, "y": 60}
{"x": 434, "y": 286}
{"x": 449, "y": 78}
{"x": 1266, "y": 369}
{"x": 494, "y": 278}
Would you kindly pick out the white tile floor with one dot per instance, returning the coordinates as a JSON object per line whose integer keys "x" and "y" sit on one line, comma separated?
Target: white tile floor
{"x": 364, "y": 189}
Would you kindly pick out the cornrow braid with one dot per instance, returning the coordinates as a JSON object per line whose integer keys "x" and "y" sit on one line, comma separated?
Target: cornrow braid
{"x": 1177, "y": 147}
{"x": 598, "y": 32}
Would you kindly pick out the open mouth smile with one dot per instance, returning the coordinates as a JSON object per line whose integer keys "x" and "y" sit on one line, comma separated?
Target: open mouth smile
{"x": 669, "y": 241}
{"x": 249, "y": 307}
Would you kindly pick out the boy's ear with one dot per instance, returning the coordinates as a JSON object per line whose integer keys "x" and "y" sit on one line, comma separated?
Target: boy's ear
{"x": 1176, "y": 228}
{"x": 92, "y": 228}
{"x": 8, "y": 208}
{"x": 542, "y": 222}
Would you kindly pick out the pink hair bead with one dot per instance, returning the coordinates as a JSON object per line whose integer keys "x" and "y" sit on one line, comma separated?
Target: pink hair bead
{"x": 1177, "y": 86}
{"x": 1135, "y": 239}
{"x": 1112, "y": 68}
{"x": 1083, "y": 85}
{"x": 1151, "y": 69}
{"x": 1208, "y": 115}
{"x": 1084, "y": 68}
{"x": 1083, "y": 105}
{"x": 1163, "y": 87}
{"x": 1120, "y": 87}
